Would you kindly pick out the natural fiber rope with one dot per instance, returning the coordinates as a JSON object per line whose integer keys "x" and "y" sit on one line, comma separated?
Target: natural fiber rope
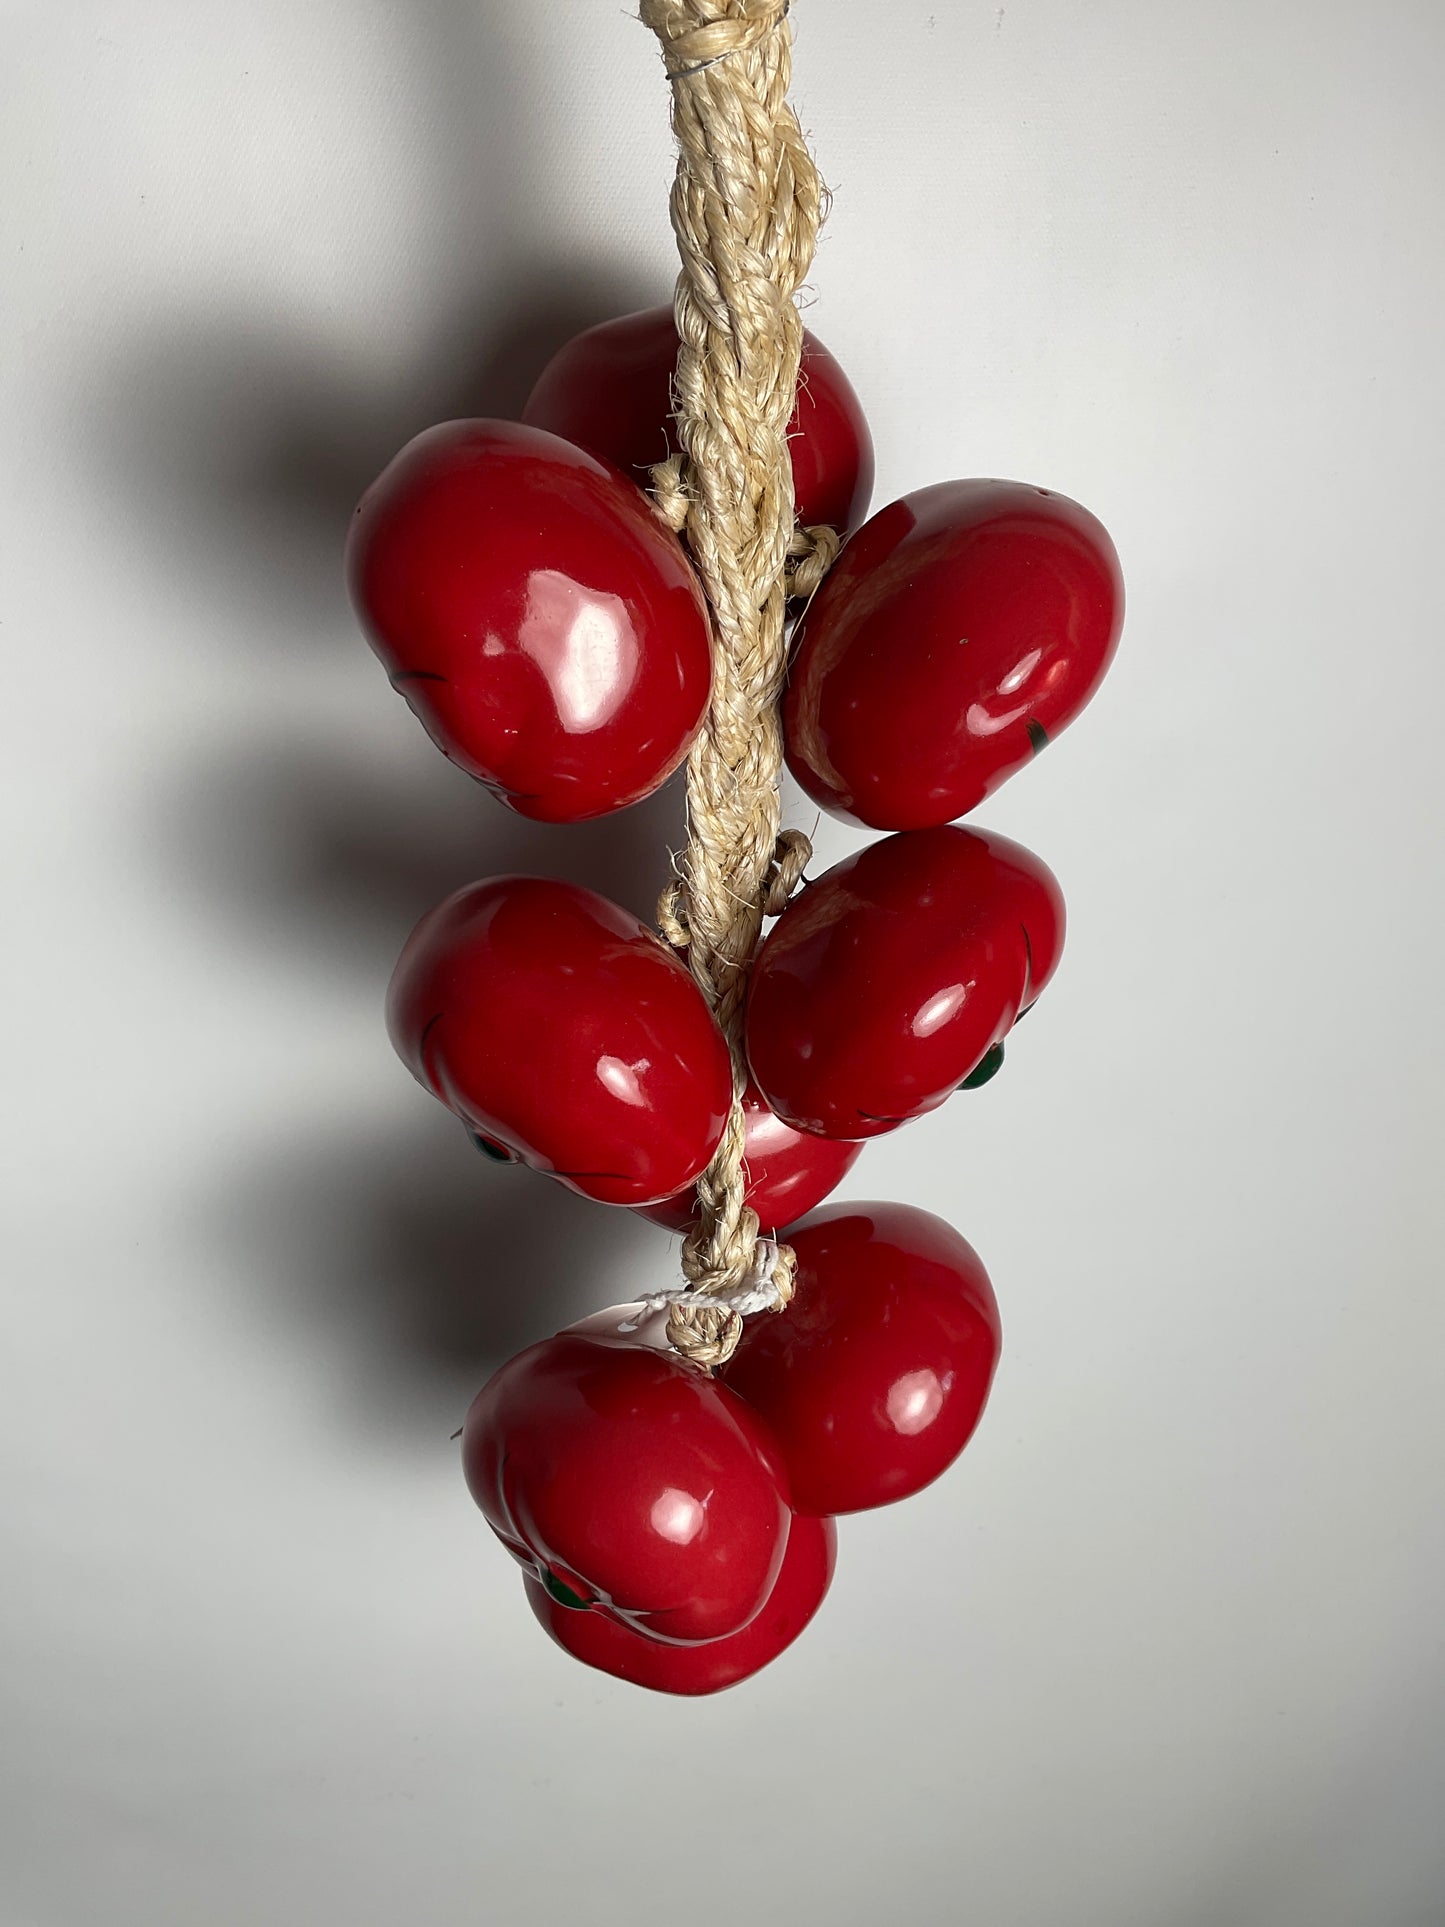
{"x": 746, "y": 206}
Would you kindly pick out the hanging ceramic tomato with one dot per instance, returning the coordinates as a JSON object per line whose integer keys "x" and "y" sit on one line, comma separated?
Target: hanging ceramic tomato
{"x": 601, "y": 1641}
{"x": 610, "y": 390}
{"x": 629, "y": 1483}
{"x": 546, "y": 628}
{"x": 563, "y": 1031}
{"x": 788, "y": 1171}
{"x": 960, "y": 631}
{"x": 896, "y": 976}
{"x": 875, "y": 1376}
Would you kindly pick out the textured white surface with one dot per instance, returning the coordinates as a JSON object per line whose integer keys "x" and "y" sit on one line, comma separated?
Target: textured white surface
{"x": 1166, "y": 1647}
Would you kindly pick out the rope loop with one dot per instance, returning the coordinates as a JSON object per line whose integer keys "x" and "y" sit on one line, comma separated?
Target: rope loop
{"x": 811, "y": 553}
{"x": 792, "y": 853}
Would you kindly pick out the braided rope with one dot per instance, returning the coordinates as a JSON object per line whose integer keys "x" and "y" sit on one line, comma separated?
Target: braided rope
{"x": 746, "y": 206}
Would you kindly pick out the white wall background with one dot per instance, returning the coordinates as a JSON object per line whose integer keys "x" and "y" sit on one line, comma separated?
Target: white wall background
{"x": 1166, "y": 1648}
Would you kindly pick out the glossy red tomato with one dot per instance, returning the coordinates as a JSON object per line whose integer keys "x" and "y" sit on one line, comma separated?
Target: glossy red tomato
{"x": 610, "y": 390}
{"x": 788, "y": 1171}
{"x": 959, "y": 631}
{"x": 600, "y": 1641}
{"x": 557, "y": 1025}
{"x": 875, "y": 1376}
{"x": 892, "y": 979}
{"x": 547, "y": 630}
{"x": 629, "y": 1481}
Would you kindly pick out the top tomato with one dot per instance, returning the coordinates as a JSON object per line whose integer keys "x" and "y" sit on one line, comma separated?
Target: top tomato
{"x": 959, "y": 631}
{"x": 610, "y": 390}
{"x": 546, "y": 628}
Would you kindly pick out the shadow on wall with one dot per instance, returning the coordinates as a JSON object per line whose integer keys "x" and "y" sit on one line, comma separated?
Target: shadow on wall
{"x": 429, "y": 1263}
{"x": 240, "y": 444}
{"x": 243, "y": 440}
{"x": 305, "y": 849}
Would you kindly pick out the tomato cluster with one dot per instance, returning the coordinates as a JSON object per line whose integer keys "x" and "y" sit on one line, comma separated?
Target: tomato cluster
{"x": 675, "y": 1525}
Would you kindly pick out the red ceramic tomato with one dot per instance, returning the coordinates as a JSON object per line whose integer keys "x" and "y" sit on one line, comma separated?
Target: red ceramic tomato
{"x": 959, "y": 631}
{"x": 547, "y": 630}
{"x": 610, "y": 390}
{"x": 892, "y": 979}
{"x": 788, "y": 1171}
{"x": 875, "y": 1376}
{"x": 600, "y": 1641}
{"x": 630, "y": 1482}
{"x": 557, "y": 1025}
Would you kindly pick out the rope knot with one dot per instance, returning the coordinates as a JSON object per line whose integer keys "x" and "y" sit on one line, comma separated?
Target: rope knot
{"x": 706, "y": 1322}
{"x": 697, "y": 34}
{"x": 707, "y": 1334}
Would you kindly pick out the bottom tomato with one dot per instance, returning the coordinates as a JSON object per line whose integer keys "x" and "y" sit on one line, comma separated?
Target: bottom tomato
{"x": 797, "y": 1593}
